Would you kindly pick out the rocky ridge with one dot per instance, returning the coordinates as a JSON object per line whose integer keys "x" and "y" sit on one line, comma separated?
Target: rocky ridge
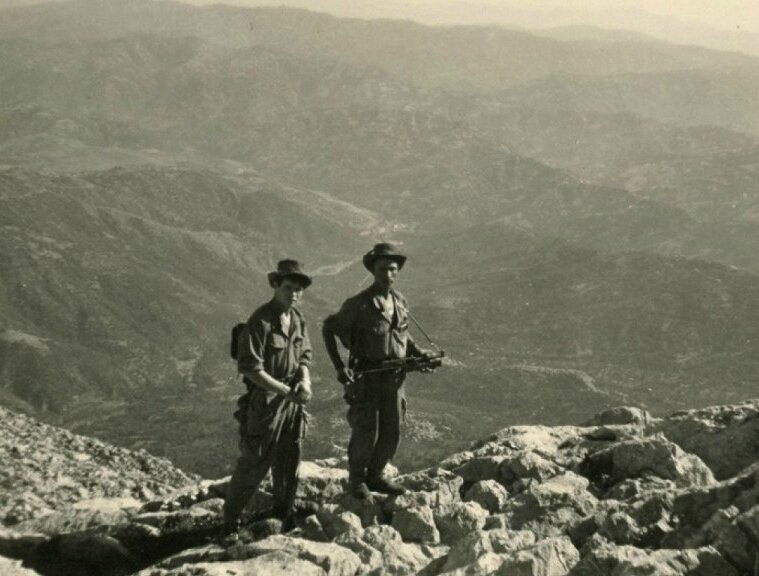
{"x": 624, "y": 494}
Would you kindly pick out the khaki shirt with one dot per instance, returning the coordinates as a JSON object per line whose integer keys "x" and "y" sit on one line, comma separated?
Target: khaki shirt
{"x": 369, "y": 332}
{"x": 265, "y": 346}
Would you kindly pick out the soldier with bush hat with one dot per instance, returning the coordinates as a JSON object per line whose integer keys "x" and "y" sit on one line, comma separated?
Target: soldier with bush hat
{"x": 373, "y": 326}
{"x": 274, "y": 357}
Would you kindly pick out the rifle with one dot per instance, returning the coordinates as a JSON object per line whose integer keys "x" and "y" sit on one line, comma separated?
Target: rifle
{"x": 409, "y": 364}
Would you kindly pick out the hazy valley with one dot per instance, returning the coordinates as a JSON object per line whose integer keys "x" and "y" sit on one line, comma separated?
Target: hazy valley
{"x": 581, "y": 227}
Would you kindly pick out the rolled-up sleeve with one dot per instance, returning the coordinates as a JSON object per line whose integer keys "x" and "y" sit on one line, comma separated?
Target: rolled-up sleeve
{"x": 251, "y": 356}
{"x": 343, "y": 322}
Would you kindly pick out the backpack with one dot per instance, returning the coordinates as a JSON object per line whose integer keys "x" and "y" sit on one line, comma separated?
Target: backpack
{"x": 237, "y": 332}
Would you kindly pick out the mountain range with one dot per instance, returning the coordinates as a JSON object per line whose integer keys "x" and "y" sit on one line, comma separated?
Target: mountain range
{"x": 580, "y": 216}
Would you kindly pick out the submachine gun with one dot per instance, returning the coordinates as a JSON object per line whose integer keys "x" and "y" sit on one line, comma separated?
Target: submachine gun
{"x": 426, "y": 363}
{"x": 410, "y": 364}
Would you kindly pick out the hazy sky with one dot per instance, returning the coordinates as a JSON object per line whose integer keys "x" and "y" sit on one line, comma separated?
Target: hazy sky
{"x": 722, "y": 14}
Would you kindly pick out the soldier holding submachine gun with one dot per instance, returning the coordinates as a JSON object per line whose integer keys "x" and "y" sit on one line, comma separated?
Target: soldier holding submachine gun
{"x": 374, "y": 326}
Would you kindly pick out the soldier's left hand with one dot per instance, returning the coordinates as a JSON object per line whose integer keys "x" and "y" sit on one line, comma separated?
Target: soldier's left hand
{"x": 425, "y": 356}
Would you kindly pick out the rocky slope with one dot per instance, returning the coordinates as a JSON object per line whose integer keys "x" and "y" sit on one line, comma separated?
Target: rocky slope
{"x": 616, "y": 496}
{"x": 47, "y": 468}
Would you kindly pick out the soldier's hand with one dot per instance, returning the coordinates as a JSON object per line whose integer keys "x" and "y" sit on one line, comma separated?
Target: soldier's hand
{"x": 345, "y": 376}
{"x": 303, "y": 392}
{"x": 426, "y": 356}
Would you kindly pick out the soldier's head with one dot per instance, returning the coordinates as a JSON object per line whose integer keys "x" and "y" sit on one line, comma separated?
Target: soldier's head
{"x": 289, "y": 281}
{"x": 384, "y": 261}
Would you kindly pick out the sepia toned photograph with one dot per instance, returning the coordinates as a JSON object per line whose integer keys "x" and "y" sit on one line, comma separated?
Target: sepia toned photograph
{"x": 382, "y": 288}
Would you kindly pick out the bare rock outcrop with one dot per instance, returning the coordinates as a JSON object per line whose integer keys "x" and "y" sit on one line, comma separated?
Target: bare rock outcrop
{"x": 616, "y": 497}
{"x": 726, "y": 438}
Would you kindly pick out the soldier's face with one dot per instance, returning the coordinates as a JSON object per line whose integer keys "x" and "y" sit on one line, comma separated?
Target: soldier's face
{"x": 385, "y": 272}
{"x": 288, "y": 293}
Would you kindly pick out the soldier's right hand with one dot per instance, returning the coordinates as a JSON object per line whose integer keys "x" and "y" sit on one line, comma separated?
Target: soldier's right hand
{"x": 303, "y": 393}
{"x": 345, "y": 376}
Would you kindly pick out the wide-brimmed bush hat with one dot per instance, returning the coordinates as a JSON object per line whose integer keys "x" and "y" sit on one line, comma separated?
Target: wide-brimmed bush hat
{"x": 289, "y": 269}
{"x": 383, "y": 250}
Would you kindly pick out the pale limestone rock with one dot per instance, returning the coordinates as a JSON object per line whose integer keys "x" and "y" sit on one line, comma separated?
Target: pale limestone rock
{"x": 320, "y": 483}
{"x": 482, "y": 468}
{"x": 416, "y": 524}
{"x": 526, "y": 465}
{"x": 631, "y": 561}
{"x": 369, "y": 511}
{"x": 10, "y": 567}
{"x": 432, "y": 487}
{"x": 398, "y": 557}
{"x": 458, "y": 519}
{"x": 75, "y": 520}
{"x": 549, "y": 557}
{"x": 456, "y": 460}
{"x": 726, "y": 438}
{"x": 655, "y": 455}
{"x": 695, "y": 507}
{"x": 313, "y": 530}
{"x": 489, "y": 494}
{"x": 278, "y": 563}
{"x": 179, "y": 521}
{"x": 371, "y": 558}
{"x": 739, "y": 541}
{"x": 337, "y": 523}
{"x": 470, "y": 547}
{"x": 485, "y": 565}
{"x": 207, "y": 553}
{"x": 635, "y": 487}
{"x": 622, "y": 415}
{"x": 548, "y": 508}
{"x": 335, "y": 560}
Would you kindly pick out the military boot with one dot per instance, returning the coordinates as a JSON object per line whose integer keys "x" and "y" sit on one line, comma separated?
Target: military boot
{"x": 358, "y": 489}
{"x": 228, "y": 533}
{"x": 378, "y": 483}
{"x": 286, "y": 515}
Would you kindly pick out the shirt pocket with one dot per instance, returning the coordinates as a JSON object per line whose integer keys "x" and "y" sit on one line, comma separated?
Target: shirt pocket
{"x": 380, "y": 329}
{"x": 277, "y": 342}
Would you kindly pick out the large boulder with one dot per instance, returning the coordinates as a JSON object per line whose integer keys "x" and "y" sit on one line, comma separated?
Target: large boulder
{"x": 739, "y": 541}
{"x": 390, "y": 554}
{"x": 548, "y": 557}
{"x": 703, "y": 512}
{"x": 527, "y": 465}
{"x": 433, "y": 487}
{"x": 631, "y": 561}
{"x": 549, "y": 507}
{"x": 472, "y": 546}
{"x": 370, "y": 511}
{"x": 489, "y": 494}
{"x": 726, "y": 438}
{"x": 318, "y": 481}
{"x": 335, "y": 522}
{"x": 416, "y": 524}
{"x": 482, "y": 468}
{"x": 639, "y": 457}
{"x": 335, "y": 560}
{"x": 458, "y": 519}
{"x": 622, "y": 415}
